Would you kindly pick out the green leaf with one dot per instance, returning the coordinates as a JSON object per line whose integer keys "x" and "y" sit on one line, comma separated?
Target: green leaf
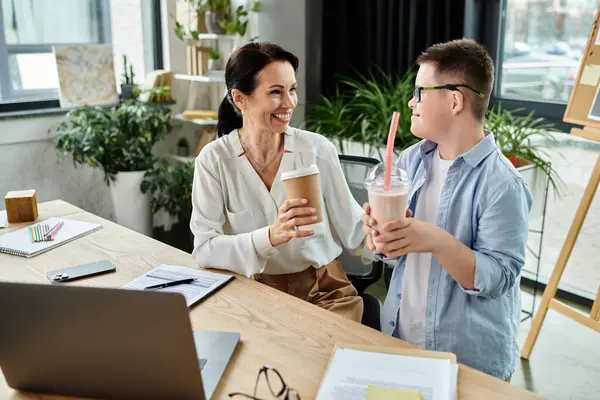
{"x": 524, "y": 137}
{"x": 116, "y": 139}
{"x": 257, "y": 6}
{"x": 362, "y": 107}
{"x": 170, "y": 188}
{"x": 242, "y": 28}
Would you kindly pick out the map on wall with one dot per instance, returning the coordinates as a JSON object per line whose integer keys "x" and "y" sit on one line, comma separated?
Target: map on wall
{"x": 86, "y": 75}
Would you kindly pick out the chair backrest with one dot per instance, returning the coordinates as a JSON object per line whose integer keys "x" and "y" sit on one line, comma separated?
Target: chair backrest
{"x": 355, "y": 170}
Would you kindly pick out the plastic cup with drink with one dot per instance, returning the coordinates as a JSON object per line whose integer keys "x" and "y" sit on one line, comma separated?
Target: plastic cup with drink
{"x": 387, "y": 205}
{"x": 388, "y": 186}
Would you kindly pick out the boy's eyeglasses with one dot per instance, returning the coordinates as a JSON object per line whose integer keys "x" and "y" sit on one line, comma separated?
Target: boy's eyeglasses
{"x": 279, "y": 389}
{"x": 418, "y": 93}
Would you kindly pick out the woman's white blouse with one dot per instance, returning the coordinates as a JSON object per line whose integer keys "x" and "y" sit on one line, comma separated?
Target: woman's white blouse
{"x": 232, "y": 209}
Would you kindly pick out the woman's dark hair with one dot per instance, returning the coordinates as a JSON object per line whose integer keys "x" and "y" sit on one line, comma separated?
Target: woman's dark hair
{"x": 241, "y": 73}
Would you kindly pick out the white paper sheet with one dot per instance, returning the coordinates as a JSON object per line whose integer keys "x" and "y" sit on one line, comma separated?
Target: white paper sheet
{"x": 206, "y": 282}
{"x": 3, "y": 219}
{"x": 453, "y": 380}
{"x": 352, "y": 371}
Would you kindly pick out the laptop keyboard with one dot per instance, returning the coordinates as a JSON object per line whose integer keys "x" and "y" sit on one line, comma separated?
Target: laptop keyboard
{"x": 203, "y": 362}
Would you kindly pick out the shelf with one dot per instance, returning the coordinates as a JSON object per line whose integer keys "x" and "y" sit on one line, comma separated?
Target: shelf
{"x": 200, "y": 78}
{"x": 198, "y": 121}
{"x": 212, "y": 36}
{"x": 182, "y": 159}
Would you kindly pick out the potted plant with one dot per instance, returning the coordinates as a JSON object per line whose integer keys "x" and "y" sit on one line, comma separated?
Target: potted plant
{"x": 237, "y": 23}
{"x": 361, "y": 109}
{"x": 218, "y": 17}
{"x": 213, "y": 11}
{"x": 127, "y": 84}
{"x": 169, "y": 187}
{"x": 118, "y": 140}
{"x": 522, "y": 139}
{"x": 214, "y": 62}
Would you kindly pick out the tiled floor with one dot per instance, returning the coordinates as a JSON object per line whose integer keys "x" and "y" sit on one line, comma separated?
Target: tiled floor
{"x": 565, "y": 362}
{"x": 574, "y": 162}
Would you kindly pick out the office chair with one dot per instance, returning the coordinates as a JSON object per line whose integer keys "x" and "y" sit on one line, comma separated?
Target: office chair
{"x": 362, "y": 276}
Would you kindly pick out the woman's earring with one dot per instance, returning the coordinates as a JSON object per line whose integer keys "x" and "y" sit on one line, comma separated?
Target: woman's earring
{"x": 242, "y": 112}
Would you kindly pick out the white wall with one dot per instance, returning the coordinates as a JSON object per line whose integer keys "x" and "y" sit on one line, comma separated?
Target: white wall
{"x": 127, "y": 26}
{"x": 283, "y": 22}
{"x": 28, "y": 160}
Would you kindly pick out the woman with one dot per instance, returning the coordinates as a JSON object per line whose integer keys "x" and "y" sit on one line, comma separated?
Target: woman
{"x": 241, "y": 219}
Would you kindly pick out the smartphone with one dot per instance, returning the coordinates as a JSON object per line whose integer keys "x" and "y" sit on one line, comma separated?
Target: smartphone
{"x": 81, "y": 271}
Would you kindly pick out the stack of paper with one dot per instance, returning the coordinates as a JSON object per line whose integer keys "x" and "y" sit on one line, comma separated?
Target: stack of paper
{"x": 355, "y": 374}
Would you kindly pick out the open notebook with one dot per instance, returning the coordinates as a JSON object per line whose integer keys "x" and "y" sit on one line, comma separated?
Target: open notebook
{"x": 19, "y": 243}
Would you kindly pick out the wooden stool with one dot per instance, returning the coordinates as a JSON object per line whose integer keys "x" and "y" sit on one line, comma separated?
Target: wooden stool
{"x": 21, "y": 206}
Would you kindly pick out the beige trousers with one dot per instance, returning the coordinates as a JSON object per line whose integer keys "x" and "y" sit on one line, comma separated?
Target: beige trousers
{"x": 327, "y": 287}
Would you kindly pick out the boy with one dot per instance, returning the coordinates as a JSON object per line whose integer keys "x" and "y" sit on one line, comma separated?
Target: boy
{"x": 455, "y": 286}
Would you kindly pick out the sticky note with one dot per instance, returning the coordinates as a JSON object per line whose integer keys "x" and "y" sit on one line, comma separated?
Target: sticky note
{"x": 384, "y": 393}
{"x": 590, "y": 75}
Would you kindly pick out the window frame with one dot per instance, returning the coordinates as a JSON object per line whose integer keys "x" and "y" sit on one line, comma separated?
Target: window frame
{"x": 39, "y": 99}
{"x": 488, "y": 19}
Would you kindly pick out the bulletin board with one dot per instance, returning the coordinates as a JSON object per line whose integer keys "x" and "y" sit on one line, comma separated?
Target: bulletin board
{"x": 584, "y": 104}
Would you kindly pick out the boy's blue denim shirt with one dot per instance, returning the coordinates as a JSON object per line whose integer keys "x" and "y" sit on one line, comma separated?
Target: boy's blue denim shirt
{"x": 485, "y": 204}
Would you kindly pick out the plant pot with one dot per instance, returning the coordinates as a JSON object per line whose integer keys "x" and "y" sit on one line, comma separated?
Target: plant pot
{"x": 179, "y": 236}
{"x": 201, "y": 22}
{"x": 537, "y": 182}
{"x": 127, "y": 91}
{"x": 214, "y": 65}
{"x": 211, "y": 20}
{"x": 132, "y": 207}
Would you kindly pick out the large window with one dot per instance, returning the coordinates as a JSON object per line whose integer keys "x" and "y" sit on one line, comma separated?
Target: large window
{"x": 541, "y": 47}
{"x": 29, "y": 30}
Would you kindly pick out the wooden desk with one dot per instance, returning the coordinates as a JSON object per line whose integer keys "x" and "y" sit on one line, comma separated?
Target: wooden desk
{"x": 277, "y": 329}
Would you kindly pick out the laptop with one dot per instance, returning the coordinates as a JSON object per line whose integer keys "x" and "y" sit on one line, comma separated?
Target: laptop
{"x": 107, "y": 343}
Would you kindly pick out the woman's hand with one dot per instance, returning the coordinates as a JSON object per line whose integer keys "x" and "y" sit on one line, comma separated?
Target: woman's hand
{"x": 292, "y": 213}
{"x": 368, "y": 226}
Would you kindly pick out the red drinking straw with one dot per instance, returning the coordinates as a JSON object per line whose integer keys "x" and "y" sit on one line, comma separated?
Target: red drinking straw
{"x": 387, "y": 180}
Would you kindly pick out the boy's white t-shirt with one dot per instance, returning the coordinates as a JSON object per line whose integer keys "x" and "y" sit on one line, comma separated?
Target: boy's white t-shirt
{"x": 413, "y": 304}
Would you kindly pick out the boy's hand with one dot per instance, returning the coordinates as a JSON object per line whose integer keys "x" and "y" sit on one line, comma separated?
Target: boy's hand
{"x": 398, "y": 238}
{"x": 370, "y": 226}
